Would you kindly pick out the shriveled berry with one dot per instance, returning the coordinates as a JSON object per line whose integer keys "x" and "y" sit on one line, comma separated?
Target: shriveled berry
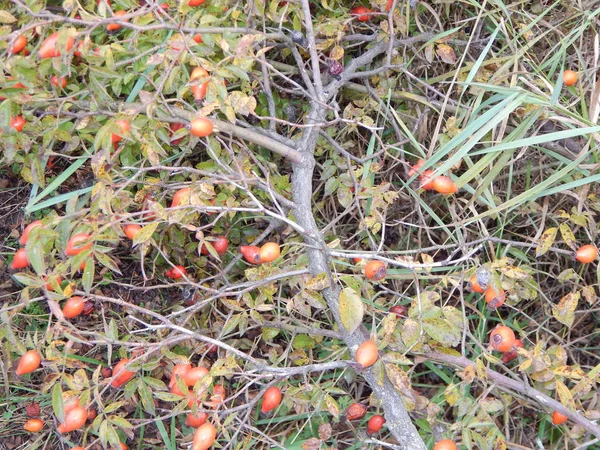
{"x": 335, "y": 68}
{"x": 356, "y": 411}
{"x": 32, "y": 409}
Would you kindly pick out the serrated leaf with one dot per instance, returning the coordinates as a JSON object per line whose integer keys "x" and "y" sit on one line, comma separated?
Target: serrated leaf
{"x": 351, "y": 309}
{"x": 568, "y": 275}
{"x": 491, "y": 405}
{"x": 567, "y": 235}
{"x": 397, "y": 358}
{"x": 35, "y": 256}
{"x": 442, "y": 331}
{"x": 145, "y": 234}
{"x": 545, "y": 242}
{"x": 107, "y": 261}
{"x": 241, "y": 103}
{"x": 564, "y": 312}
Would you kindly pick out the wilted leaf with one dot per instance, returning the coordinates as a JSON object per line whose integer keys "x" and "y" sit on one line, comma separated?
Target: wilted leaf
{"x": 351, "y": 309}
{"x": 332, "y": 406}
{"x": 241, "y": 103}
{"x": 318, "y": 283}
{"x": 311, "y": 444}
{"x": 589, "y": 294}
{"x": 467, "y": 374}
{"x": 314, "y": 299}
{"x": 397, "y": 358}
{"x": 564, "y": 312}
{"x": 545, "y": 242}
{"x": 446, "y": 53}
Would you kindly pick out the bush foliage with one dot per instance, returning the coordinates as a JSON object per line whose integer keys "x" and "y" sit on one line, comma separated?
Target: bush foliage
{"x": 321, "y": 114}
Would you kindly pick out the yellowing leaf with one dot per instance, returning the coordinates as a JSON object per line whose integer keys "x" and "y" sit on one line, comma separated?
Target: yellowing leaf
{"x": 515, "y": 273}
{"x": 565, "y": 395}
{"x": 318, "y": 283}
{"x": 446, "y": 53}
{"x": 589, "y": 294}
{"x": 336, "y": 53}
{"x": 567, "y": 235}
{"x": 6, "y": 17}
{"x": 564, "y": 312}
{"x": 442, "y": 331}
{"x": 351, "y": 309}
{"x": 332, "y": 406}
{"x": 145, "y": 233}
{"x": 241, "y": 103}
{"x": 546, "y": 240}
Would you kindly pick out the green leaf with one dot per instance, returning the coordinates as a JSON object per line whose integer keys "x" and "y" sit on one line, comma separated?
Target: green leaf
{"x": 121, "y": 422}
{"x": 442, "y": 331}
{"x": 269, "y": 333}
{"x": 232, "y": 323}
{"x": 146, "y": 398}
{"x": 303, "y": 341}
{"x": 351, "y": 309}
{"x": 331, "y": 186}
{"x": 145, "y": 233}
{"x": 57, "y": 402}
{"x": 87, "y": 279}
{"x": 344, "y": 195}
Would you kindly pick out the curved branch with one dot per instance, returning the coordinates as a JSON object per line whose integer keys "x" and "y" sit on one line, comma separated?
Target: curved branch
{"x": 258, "y": 139}
{"x": 521, "y": 388}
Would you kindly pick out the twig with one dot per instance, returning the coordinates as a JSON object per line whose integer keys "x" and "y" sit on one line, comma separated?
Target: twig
{"x": 520, "y": 388}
